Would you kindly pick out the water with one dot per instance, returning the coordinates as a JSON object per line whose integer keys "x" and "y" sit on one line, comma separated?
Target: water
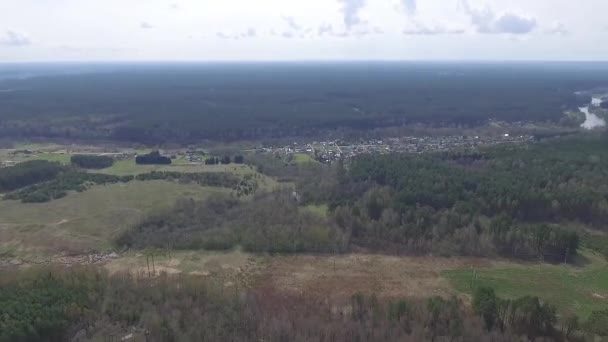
{"x": 591, "y": 120}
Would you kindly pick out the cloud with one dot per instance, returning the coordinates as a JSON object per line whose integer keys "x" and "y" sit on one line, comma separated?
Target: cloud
{"x": 325, "y": 29}
{"x": 422, "y": 30}
{"x": 146, "y": 25}
{"x": 558, "y": 29}
{"x": 287, "y": 34}
{"x": 12, "y": 38}
{"x": 251, "y": 32}
{"x": 487, "y": 22}
{"x": 222, "y": 35}
{"x": 409, "y": 6}
{"x": 350, "y": 11}
{"x": 174, "y": 6}
{"x": 292, "y": 23}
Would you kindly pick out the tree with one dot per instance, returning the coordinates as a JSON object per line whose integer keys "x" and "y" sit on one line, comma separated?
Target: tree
{"x": 225, "y": 160}
{"x": 485, "y": 305}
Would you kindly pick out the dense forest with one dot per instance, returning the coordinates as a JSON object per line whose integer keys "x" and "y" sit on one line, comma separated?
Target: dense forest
{"x": 522, "y": 202}
{"x": 42, "y": 181}
{"x": 92, "y": 162}
{"x": 89, "y": 305}
{"x": 257, "y": 101}
{"x": 152, "y": 158}
{"x": 27, "y": 173}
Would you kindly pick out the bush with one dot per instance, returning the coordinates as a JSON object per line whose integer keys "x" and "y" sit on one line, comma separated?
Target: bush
{"x": 153, "y": 158}
{"x": 92, "y": 162}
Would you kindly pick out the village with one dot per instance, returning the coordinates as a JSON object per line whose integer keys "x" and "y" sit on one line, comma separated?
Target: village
{"x": 331, "y": 151}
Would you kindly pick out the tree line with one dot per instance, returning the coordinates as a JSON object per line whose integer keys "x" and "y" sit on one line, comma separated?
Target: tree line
{"x": 91, "y": 161}
{"x": 152, "y": 158}
{"x": 87, "y": 304}
{"x": 43, "y": 181}
{"x": 28, "y": 173}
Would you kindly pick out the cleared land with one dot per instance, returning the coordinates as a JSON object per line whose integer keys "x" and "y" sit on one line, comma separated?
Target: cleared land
{"x": 321, "y": 276}
{"x": 579, "y": 289}
{"x": 87, "y": 220}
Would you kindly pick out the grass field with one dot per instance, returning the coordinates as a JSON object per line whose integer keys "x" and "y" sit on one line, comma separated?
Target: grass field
{"x": 87, "y": 220}
{"x": 328, "y": 276}
{"x": 129, "y": 167}
{"x": 303, "y": 158}
{"x": 578, "y": 289}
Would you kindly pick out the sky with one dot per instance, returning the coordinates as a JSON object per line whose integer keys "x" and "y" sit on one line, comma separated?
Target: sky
{"x": 263, "y": 30}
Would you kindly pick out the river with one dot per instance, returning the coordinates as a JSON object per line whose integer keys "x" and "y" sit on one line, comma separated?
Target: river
{"x": 591, "y": 120}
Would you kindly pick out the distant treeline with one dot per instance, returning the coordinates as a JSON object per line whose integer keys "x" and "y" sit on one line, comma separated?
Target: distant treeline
{"x": 270, "y": 222}
{"x": 43, "y": 181}
{"x": 91, "y": 161}
{"x": 238, "y": 159}
{"x": 84, "y": 304}
{"x": 247, "y": 102}
{"x": 27, "y": 173}
{"x": 152, "y": 158}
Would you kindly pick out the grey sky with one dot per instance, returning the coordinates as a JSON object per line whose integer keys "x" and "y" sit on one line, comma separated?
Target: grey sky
{"x": 81, "y": 30}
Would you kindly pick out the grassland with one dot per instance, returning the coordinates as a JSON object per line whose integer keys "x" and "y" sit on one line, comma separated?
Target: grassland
{"x": 303, "y": 158}
{"x": 129, "y": 167}
{"x": 579, "y": 289}
{"x": 329, "y": 276}
{"x": 88, "y": 220}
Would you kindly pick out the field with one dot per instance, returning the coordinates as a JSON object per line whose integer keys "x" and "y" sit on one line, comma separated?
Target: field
{"x": 303, "y": 158}
{"x": 88, "y": 220}
{"x": 328, "y": 276}
{"x": 579, "y": 289}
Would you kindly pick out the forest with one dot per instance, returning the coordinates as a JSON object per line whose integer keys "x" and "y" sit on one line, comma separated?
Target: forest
{"x": 228, "y": 102}
{"x": 91, "y": 162}
{"x": 40, "y": 181}
{"x": 87, "y": 304}
{"x": 517, "y": 202}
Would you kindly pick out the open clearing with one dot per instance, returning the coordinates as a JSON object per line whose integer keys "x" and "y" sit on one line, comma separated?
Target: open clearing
{"x": 84, "y": 221}
{"x": 578, "y": 289}
{"x": 321, "y": 276}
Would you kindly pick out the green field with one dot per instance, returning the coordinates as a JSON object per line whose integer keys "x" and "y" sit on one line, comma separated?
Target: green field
{"x": 87, "y": 220}
{"x": 303, "y": 158}
{"x": 129, "y": 167}
{"x": 579, "y": 289}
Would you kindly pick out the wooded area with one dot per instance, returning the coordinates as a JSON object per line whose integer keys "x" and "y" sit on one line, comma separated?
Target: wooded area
{"x": 88, "y": 304}
{"x": 260, "y": 101}
{"x": 91, "y": 162}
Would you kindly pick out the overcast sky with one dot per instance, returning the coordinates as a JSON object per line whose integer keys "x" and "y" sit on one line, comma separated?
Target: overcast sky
{"x": 99, "y": 30}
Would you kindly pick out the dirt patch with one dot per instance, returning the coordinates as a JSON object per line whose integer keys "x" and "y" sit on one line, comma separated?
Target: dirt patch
{"x": 343, "y": 276}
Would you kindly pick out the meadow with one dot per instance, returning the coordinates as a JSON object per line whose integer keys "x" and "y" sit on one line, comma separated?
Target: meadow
{"x": 578, "y": 288}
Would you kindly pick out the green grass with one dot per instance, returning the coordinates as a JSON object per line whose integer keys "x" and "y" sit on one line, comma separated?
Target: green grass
{"x": 578, "y": 289}
{"x": 54, "y": 157}
{"x": 319, "y": 209}
{"x": 303, "y": 158}
{"x": 87, "y": 220}
{"x": 129, "y": 167}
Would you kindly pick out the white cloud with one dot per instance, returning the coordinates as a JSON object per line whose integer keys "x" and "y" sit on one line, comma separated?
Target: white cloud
{"x": 291, "y": 22}
{"x": 146, "y": 25}
{"x": 350, "y": 11}
{"x": 338, "y": 29}
{"x": 557, "y": 28}
{"x": 487, "y": 21}
{"x": 12, "y": 38}
{"x": 420, "y": 29}
{"x": 409, "y": 6}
